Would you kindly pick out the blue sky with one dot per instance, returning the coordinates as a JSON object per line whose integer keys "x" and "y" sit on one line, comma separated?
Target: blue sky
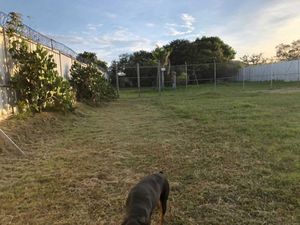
{"x": 113, "y": 27}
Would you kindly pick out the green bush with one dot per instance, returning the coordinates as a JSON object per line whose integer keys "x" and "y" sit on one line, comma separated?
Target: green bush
{"x": 36, "y": 81}
{"x": 90, "y": 85}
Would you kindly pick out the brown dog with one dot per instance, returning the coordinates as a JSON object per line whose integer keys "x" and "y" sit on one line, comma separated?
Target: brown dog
{"x": 144, "y": 197}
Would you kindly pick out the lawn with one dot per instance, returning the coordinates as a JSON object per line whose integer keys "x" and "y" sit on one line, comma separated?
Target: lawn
{"x": 232, "y": 156}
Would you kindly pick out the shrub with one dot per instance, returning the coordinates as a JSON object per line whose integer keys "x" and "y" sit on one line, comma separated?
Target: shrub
{"x": 36, "y": 81}
{"x": 90, "y": 85}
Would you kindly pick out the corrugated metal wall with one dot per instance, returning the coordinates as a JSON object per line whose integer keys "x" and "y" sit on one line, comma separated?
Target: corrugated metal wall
{"x": 281, "y": 71}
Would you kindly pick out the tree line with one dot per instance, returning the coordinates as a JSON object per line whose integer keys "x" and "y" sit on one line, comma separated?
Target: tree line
{"x": 181, "y": 51}
{"x": 201, "y": 53}
{"x": 284, "y": 52}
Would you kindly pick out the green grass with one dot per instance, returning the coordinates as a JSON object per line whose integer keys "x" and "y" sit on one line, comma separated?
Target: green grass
{"x": 231, "y": 155}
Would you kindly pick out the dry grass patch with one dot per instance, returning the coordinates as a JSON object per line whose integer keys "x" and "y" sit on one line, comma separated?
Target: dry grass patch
{"x": 228, "y": 158}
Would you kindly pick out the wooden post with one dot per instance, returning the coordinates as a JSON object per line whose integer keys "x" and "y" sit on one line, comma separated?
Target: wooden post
{"x": 138, "y": 78}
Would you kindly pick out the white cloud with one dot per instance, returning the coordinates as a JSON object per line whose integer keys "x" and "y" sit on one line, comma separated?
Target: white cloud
{"x": 109, "y": 45}
{"x": 187, "y": 26}
{"x": 188, "y": 20}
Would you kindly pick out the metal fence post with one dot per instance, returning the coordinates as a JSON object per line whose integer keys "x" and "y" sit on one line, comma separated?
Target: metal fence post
{"x": 195, "y": 75}
{"x": 162, "y": 78}
{"x": 271, "y": 75}
{"x": 159, "y": 78}
{"x": 215, "y": 74}
{"x": 299, "y": 69}
{"x": 243, "y": 77}
{"x": 186, "y": 75}
{"x": 138, "y": 78}
{"x": 117, "y": 80}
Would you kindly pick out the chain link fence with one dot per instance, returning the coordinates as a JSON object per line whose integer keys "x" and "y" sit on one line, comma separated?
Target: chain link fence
{"x": 137, "y": 80}
{"x": 140, "y": 79}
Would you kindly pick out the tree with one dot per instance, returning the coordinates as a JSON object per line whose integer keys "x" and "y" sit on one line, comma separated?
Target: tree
{"x": 201, "y": 51}
{"x": 142, "y": 57}
{"x": 206, "y": 49}
{"x": 254, "y": 59}
{"x": 181, "y": 51}
{"x": 127, "y": 64}
{"x": 162, "y": 55}
{"x": 91, "y": 58}
{"x": 288, "y": 51}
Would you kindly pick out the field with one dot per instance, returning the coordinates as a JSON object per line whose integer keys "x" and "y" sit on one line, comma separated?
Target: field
{"x": 231, "y": 155}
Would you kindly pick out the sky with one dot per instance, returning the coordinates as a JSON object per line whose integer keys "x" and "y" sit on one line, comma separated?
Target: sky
{"x": 112, "y": 27}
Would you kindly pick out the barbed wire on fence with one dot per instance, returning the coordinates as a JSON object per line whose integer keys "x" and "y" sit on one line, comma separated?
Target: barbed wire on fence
{"x": 37, "y": 37}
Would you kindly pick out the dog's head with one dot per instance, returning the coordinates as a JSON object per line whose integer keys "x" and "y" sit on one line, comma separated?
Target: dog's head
{"x": 137, "y": 221}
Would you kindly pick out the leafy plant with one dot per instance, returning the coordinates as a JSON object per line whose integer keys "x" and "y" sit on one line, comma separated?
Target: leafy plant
{"x": 90, "y": 85}
{"x": 35, "y": 79}
{"x": 37, "y": 82}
